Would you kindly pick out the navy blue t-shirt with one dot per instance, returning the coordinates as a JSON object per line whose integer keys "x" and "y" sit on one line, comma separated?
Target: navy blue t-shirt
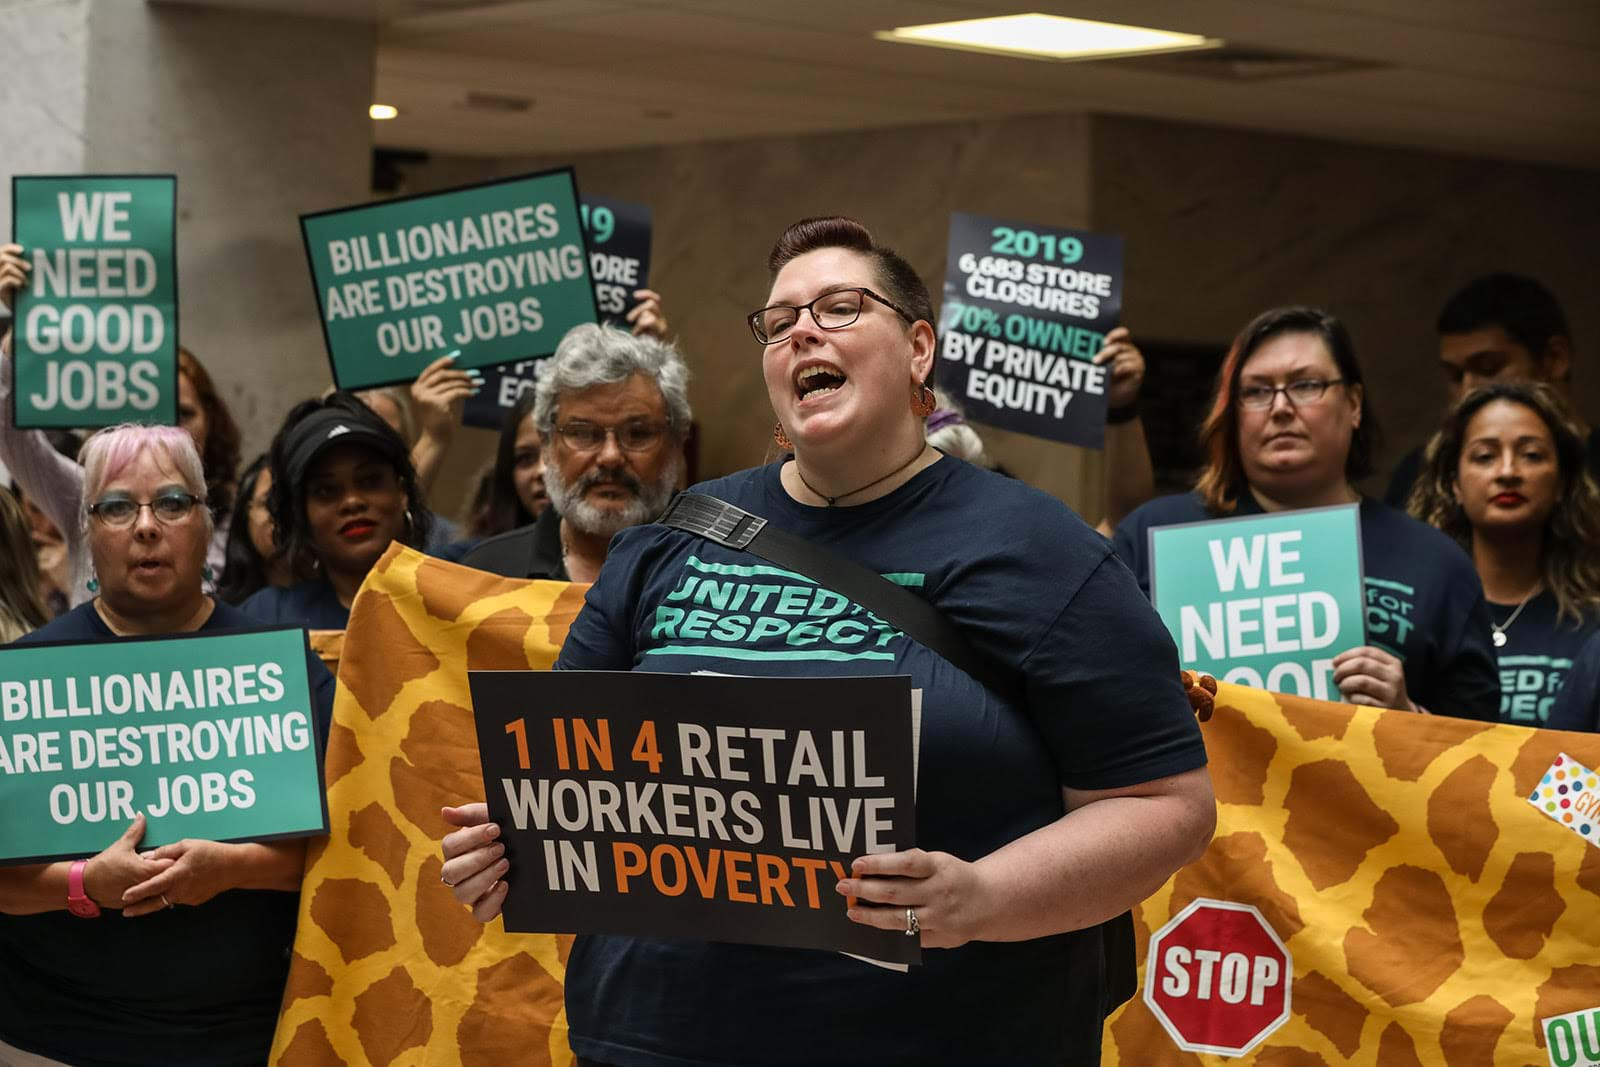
{"x": 1424, "y": 601}
{"x": 1577, "y": 706}
{"x": 1031, "y": 587}
{"x": 1539, "y": 650}
{"x": 191, "y": 985}
{"x": 313, "y": 605}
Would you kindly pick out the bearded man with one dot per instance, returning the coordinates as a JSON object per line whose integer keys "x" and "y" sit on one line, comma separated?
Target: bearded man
{"x": 613, "y": 413}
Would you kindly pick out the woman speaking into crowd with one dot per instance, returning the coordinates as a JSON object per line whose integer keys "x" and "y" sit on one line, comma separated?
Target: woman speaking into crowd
{"x": 1036, "y": 820}
{"x": 1290, "y": 428}
{"x": 1506, "y": 478}
{"x": 192, "y": 970}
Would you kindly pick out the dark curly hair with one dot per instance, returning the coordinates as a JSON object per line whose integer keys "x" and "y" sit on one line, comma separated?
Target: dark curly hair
{"x": 1571, "y": 548}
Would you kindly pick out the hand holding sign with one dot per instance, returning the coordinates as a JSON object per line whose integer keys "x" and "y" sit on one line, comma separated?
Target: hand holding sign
{"x": 946, "y": 892}
{"x": 647, "y": 319}
{"x": 473, "y": 868}
{"x": 1126, "y": 364}
{"x": 13, "y": 273}
{"x": 1373, "y": 677}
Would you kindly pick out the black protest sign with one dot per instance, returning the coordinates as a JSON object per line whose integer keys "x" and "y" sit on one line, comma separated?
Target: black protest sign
{"x": 699, "y": 807}
{"x": 618, "y": 234}
{"x": 1026, "y": 308}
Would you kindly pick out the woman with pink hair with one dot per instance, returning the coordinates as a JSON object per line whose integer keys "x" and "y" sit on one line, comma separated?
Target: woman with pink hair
{"x": 201, "y": 945}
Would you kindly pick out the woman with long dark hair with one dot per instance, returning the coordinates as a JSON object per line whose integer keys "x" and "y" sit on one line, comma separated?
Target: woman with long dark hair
{"x": 1505, "y": 476}
{"x": 251, "y": 559}
{"x": 1291, "y": 427}
{"x": 516, "y": 494}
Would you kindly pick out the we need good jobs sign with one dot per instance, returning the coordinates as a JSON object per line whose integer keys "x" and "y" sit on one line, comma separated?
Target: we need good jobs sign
{"x": 1264, "y": 600}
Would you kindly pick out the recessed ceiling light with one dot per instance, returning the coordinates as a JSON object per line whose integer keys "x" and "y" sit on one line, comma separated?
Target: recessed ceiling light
{"x": 383, "y": 112}
{"x": 1037, "y": 36}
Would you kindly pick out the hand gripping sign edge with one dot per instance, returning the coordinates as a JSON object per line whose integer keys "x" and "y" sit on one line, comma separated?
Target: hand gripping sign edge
{"x": 1152, "y": 966}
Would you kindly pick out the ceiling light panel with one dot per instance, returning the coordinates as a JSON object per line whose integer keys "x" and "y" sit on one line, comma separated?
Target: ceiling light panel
{"x": 1052, "y": 37}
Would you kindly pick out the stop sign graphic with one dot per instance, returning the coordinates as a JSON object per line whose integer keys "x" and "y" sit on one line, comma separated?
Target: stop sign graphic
{"x": 1218, "y": 978}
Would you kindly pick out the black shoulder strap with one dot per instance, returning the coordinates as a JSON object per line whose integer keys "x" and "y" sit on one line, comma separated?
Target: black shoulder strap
{"x": 732, "y": 527}
{"x": 717, "y": 520}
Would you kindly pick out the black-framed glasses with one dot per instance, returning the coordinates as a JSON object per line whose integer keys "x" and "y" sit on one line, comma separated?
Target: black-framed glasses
{"x": 831, "y": 311}
{"x": 1303, "y": 391}
{"x": 631, "y": 436}
{"x": 119, "y": 512}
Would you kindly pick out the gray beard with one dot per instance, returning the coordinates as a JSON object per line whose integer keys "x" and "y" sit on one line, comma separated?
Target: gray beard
{"x": 649, "y": 500}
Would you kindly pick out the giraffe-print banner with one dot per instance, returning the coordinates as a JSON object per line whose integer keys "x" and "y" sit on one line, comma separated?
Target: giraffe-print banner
{"x": 1433, "y": 915}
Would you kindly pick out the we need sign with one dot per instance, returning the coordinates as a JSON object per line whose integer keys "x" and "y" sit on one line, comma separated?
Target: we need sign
{"x": 97, "y": 324}
{"x": 1265, "y": 601}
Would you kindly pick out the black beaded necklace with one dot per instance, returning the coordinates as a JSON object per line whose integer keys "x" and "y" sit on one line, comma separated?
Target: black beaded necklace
{"x": 831, "y": 499}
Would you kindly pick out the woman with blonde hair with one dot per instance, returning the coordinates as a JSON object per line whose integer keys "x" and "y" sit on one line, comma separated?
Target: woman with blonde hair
{"x": 1505, "y": 477}
{"x": 21, "y": 607}
{"x": 190, "y": 967}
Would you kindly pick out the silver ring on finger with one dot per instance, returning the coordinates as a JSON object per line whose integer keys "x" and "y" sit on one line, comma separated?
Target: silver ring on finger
{"x": 447, "y": 885}
{"x": 164, "y": 901}
{"x": 913, "y": 927}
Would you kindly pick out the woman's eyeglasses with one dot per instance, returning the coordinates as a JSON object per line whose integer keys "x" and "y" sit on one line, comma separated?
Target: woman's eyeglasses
{"x": 830, "y": 311}
{"x": 119, "y": 512}
{"x": 1304, "y": 391}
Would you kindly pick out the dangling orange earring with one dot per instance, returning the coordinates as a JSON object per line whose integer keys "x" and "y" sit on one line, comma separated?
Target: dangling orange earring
{"x": 923, "y": 401}
{"x": 782, "y": 438}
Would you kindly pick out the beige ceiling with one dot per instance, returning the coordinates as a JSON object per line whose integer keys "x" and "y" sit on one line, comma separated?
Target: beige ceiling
{"x": 1516, "y": 79}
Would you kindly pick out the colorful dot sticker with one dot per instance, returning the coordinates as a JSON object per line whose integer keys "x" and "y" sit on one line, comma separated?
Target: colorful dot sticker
{"x": 1569, "y": 793}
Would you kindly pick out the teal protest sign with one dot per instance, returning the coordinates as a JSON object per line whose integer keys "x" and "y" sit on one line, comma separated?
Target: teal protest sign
{"x": 1265, "y": 601}
{"x": 210, "y": 736}
{"x": 497, "y": 271}
{"x": 96, "y": 338}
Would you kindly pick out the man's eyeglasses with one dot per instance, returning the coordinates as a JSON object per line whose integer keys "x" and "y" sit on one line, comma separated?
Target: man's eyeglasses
{"x": 631, "y": 436}
{"x": 119, "y": 512}
{"x": 830, "y": 311}
{"x": 1304, "y": 391}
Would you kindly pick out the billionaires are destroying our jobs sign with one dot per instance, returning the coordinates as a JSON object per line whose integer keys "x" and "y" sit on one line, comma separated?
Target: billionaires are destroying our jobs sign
{"x": 212, "y": 736}
{"x": 700, "y": 807}
{"x": 495, "y": 273}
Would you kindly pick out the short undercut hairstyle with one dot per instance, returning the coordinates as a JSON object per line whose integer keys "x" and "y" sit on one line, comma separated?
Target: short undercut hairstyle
{"x": 898, "y": 279}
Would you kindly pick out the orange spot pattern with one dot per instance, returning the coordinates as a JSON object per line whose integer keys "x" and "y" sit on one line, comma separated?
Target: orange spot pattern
{"x": 388, "y": 969}
{"x": 1432, "y": 913}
